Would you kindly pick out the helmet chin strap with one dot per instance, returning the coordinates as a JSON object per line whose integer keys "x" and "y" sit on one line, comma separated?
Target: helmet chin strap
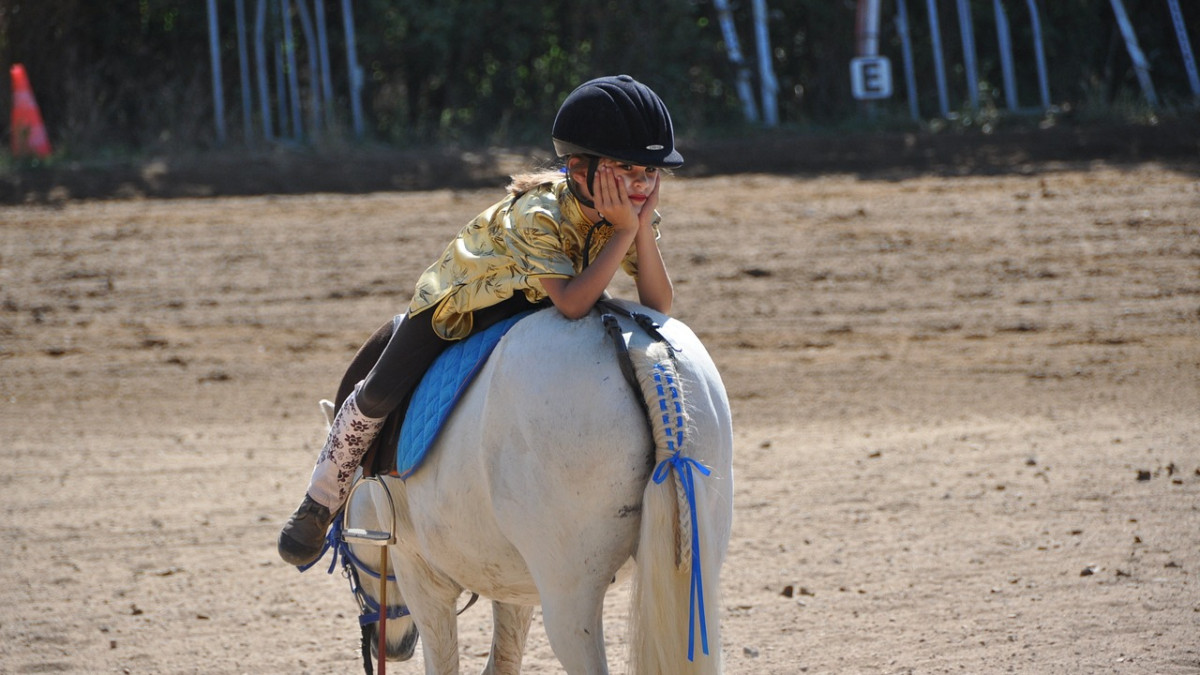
{"x": 593, "y": 165}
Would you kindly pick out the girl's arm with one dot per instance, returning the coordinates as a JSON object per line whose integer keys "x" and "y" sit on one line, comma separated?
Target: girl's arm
{"x": 576, "y": 296}
{"x": 653, "y": 282}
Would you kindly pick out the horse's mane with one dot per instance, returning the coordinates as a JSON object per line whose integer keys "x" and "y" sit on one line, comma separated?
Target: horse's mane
{"x": 663, "y": 392}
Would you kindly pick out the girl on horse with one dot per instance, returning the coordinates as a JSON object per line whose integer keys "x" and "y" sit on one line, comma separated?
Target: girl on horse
{"x": 557, "y": 238}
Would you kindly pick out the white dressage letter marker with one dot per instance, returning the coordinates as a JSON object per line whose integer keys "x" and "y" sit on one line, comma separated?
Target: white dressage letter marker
{"x": 871, "y": 77}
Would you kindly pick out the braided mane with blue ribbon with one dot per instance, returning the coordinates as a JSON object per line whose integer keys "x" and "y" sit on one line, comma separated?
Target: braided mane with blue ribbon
{"x": 674, "y": 422}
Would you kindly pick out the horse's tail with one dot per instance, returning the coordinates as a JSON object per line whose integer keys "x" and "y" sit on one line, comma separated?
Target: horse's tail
{"x": 676, "y": 605}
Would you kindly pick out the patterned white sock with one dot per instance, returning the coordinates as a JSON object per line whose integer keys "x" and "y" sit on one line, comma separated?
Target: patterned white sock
{"x": 349, "y": 437}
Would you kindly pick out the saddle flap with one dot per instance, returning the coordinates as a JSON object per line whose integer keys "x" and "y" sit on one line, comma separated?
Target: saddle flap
{"x": 439, "y": 391}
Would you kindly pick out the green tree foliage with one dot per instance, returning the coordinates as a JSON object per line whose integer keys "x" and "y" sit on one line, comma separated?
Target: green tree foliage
{"x": 128, "y": 74}
{"x": 135, "y": 76}
{"x": 486, "y": 69}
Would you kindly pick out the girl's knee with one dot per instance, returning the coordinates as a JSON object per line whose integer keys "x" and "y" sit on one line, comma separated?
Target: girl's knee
{"x": 371, "y": 401}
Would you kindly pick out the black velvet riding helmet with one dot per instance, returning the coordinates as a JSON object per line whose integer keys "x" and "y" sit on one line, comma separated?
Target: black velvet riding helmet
{"x": 616, "y": 117}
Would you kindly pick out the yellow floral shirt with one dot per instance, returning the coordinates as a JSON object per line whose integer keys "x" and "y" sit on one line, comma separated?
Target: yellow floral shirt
{"x": 506, "y": 249}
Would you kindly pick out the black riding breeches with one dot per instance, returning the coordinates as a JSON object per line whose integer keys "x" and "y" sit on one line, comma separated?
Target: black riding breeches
{"x": 412, "y": 349}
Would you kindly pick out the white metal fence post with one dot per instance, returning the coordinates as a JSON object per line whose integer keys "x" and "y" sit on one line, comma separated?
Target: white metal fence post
{"x": 729, "y": 32}
{"x": 939, "y": 65}
{"x": 1185, "y": 47}
{"x": 1039, "y": 53}
{"x": 323, "y": 51}
{"x": 1140, "y": 65}
{"x": 314, "y": 86}
{"x": 967, "y": 29}
{"x": 293, "y": 77}
{"x": 244, "y": 73}
{"x": 354, "y": 71}
{"x": 766, "y": 72}
{"x": 214, "y": 49}
{"x": 260, "y": 66}
{"x": 910, "y": 78}
{"x": 1004, "y": 36}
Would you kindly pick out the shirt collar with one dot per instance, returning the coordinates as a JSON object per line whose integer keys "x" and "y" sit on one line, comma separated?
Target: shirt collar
{"x": 571, "y": 208}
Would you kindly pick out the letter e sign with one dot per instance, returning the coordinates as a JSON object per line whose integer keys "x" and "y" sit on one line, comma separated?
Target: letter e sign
{"x": 871, "y": 77}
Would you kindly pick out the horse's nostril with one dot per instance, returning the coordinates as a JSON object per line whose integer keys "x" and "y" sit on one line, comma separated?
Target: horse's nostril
{"x": 407, "y": 647}
{"x": 401, "y": 651}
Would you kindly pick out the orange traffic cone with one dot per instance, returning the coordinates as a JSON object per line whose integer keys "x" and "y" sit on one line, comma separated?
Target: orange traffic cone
{"x": 28, "y": 131}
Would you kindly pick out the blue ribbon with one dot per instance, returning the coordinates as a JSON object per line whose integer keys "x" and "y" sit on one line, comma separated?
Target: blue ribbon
{"x": 684, "y": 467}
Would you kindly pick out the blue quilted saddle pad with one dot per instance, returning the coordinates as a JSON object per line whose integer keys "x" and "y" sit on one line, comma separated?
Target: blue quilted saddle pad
{"x": 439, "y": 391}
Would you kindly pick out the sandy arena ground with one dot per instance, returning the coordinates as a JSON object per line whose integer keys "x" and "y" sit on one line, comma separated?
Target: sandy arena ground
{"x": 967, "y": 420}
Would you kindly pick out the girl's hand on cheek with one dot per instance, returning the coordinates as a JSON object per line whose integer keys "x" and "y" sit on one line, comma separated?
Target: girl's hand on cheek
{"x": 612, "y": 201}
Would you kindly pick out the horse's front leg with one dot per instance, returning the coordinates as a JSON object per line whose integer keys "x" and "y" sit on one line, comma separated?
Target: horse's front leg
{"x": 430, "y": 598}
{"x": 510, "y": 628}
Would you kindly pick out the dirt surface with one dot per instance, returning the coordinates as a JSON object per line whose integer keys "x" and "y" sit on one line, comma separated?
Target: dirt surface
{"x": 967, "y": 437}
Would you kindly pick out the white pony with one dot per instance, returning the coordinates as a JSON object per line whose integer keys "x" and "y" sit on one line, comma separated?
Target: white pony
{"x": 547, "y": 481}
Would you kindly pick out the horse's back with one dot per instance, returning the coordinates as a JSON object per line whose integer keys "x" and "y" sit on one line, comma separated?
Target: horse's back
{"x": 554, "y": 440}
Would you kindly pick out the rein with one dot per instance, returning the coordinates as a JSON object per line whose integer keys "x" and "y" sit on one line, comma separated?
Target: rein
{"x": 369, "y": 610}
{"x": 608, "y": 312}
{"x": 352, "y": 565}
{"x": 644, "y": 321}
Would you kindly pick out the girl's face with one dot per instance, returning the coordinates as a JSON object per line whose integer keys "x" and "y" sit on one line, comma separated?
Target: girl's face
{"x": 639, "y": 181}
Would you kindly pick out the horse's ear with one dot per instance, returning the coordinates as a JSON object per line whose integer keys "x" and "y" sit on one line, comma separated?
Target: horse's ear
{"x": 327, "y": 410}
